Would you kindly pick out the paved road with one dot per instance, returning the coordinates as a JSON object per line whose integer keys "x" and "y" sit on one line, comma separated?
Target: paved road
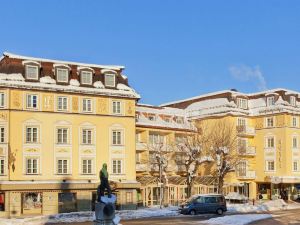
{"x": 285, "y": 217}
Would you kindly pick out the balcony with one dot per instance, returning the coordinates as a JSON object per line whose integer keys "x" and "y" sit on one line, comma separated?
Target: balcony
{"x": 141, "y": 167}
{"x": 141, "y": 146}
{"x": 180, "y": 168}
{"x": 247, "y": 150}
{"x": 249, "y": 175}
{"x": 245, "y": 131}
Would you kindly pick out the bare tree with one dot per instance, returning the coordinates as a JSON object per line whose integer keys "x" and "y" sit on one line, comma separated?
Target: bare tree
{"x": 194, "y": 150}
{"x": 223, "y": 145}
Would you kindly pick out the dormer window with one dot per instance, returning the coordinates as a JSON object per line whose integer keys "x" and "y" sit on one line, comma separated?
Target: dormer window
{"x": 32, "y": 72}
{"x": 179, "y": 120}
{"x": 62, "y": 75}
{"x": 293, "y": 100}
{"x": 242, "y": 103}
{"x": 270, "y": 101}
{"x": 86, "y": 77}
{"x": 152, "y": 117}
{"x": 110, "y": 80}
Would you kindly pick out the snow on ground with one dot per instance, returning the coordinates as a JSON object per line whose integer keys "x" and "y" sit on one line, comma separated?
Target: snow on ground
{"x": 237, "y": 219}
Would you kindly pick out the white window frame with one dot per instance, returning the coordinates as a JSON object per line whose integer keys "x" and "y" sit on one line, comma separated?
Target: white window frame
{"x": 117, "y": 137}
{"x": 2, "y": 134}
{"x": 85, "y": 171}
{"x": 36, "y": 76}
{"x": 62, "y": 142}
{"x": 57, "y": 72}
{"x": 295, "y": 121}
{"x": 86, "y": 73}
{"x": 85, "y": 105}
{"x": 242, "y": 103}
{"x": 2, "y": 99}
{"x": 30, "y": 101}
{"x": 106, "y": 79}
{"x": 63, "y": 166}
{"x": 30, "y": 171}
{"x": 241, "y": 122}
{"x": 267, "y": 142}
{"x": 293, "y": 100}
{"x": 85, "y": 140}
{"x": 297, "y": 142}
{"x": 157, "y": 138}
{"x": 295, "y": 169}
{"x": 117, "y": 166}
{"x": 2, "y": 166}
{"x": 64, "y": 106}
{"x": 116, "y": 107}
{"x": 271, "y": 101}
{"x": 271, "y": 120}
{"x": 267, "y": 165}
{"x": 29, "y": 136}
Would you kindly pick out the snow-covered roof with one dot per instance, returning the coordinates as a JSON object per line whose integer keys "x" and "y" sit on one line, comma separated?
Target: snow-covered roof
{"x": 16, "y": 80}
{"x": 109, "y": 67}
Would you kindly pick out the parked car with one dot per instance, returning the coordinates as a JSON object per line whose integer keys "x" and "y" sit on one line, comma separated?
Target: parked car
{"x": 208, "y": 203}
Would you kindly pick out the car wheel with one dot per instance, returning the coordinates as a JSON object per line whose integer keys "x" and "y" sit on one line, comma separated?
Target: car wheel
{"x": 220, "y": 211}
{"x": 192, "y": 212}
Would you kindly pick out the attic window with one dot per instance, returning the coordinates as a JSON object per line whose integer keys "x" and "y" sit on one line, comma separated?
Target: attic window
{"x": 242, "y": 103}
{"x": 293, "y": 100}
{"x": 179, "y": 120}
{"x": 62, "y": 75}
{"x": 152, "y": 117}
{"x": 86, "y": 77}
{"x": 32, "y": 72}
{"x": 110, "y": 80}
{"x": 270, "y": 101}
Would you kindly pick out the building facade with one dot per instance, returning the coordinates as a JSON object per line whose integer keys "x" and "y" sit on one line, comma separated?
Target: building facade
{"x": 59, "y": 122}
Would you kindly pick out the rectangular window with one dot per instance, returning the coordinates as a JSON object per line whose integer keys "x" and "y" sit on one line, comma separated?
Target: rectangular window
{"x": 32, "y": 101}
{"x": 116, "y": 107}
{"x": 270, "y": 166}
{"x": 86, "y": 136}
{"x": 152, "y": 117}
{"x": 241, "y": 122}
{"x": 32, "y": 72}
{"x": 87, "y": 166}
{"x": 242, "y": 103}
{"x": 117, "y": 137}
{"x": 270, "y": 101}
{"x": 86, "y": 77}
{"x": 242, "y": 169}
{"x": 2, "y": 166}
{"x": 2, "y": 100}
{"x": 295, "y": 142}
{"x": 110, "y": 80}
{"x": 179, "y": 120}
{"x": 62, "y": 166}
{"x": 270, "y": 122}
{"x": 293, "y": 100}
{"x": 155, "y": 138}
{"x": 87, "y": 105}
{"x": 117, "y": 167}
{"x": 2, "y": 201}
{"x": 270, "y": 142}
{"x": 62, "y": 103}
{"x": 31, "y": 166}
{"x": 31, "y": 135}
{"x": 62, "y": 75}
{"x": 294, "y": 121}
{"x": 2, "y": 134}
{"x": 295, "y": 165}
{"x": 62, "y": 135}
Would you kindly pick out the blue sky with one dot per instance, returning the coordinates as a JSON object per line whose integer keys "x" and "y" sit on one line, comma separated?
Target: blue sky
{"x": 171, "y": 49}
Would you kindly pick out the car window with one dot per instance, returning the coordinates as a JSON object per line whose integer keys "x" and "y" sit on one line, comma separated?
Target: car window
{"x": 220, "y": 199}
{"x": 210, "y": 200}
{"x": 200, "y": 200}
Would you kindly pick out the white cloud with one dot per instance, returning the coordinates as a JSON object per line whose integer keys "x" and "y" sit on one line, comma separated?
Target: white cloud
{"x": 246, "y": 73}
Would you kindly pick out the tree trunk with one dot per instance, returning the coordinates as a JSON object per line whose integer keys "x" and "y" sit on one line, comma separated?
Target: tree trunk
{"x": 220, "y": 185}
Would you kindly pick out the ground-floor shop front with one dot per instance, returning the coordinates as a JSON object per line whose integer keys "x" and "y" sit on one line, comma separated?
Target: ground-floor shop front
{"x": 25, "y": 199}
{"x": 174, "y": 192}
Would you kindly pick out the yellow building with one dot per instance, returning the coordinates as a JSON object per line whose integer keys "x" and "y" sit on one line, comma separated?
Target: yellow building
{"x": 268, "y": 137}
{"x": 59, "y": 122}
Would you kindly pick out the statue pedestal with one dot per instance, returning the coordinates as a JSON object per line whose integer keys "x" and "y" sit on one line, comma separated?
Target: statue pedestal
{"x": 105, "y": 212}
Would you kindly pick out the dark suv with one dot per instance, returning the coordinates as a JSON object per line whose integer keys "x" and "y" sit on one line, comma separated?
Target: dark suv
{"x": 208, "y": 203}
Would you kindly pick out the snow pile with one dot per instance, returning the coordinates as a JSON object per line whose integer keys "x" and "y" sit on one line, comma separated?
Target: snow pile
{"x": 237, "y": 219}
{"x": 264, "y": 207}
{"x": 123, "y": 87}
{"x": 98, "y": 84}
{"x": 235, "y": 196}
{"x": 12, "y": 77}
{"x": 149, "y": 212}
{"x": 74, "y": 82}
{"x": 47, "y": 80}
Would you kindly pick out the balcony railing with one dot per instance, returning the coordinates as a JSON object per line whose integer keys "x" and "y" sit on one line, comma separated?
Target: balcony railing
{"x": 140, "y": 146}
{"x": 247, "y": 150}
{"x": 250, "y": 174}
{"x": 141, "y": 167}
{"x": 245, "y": 130}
